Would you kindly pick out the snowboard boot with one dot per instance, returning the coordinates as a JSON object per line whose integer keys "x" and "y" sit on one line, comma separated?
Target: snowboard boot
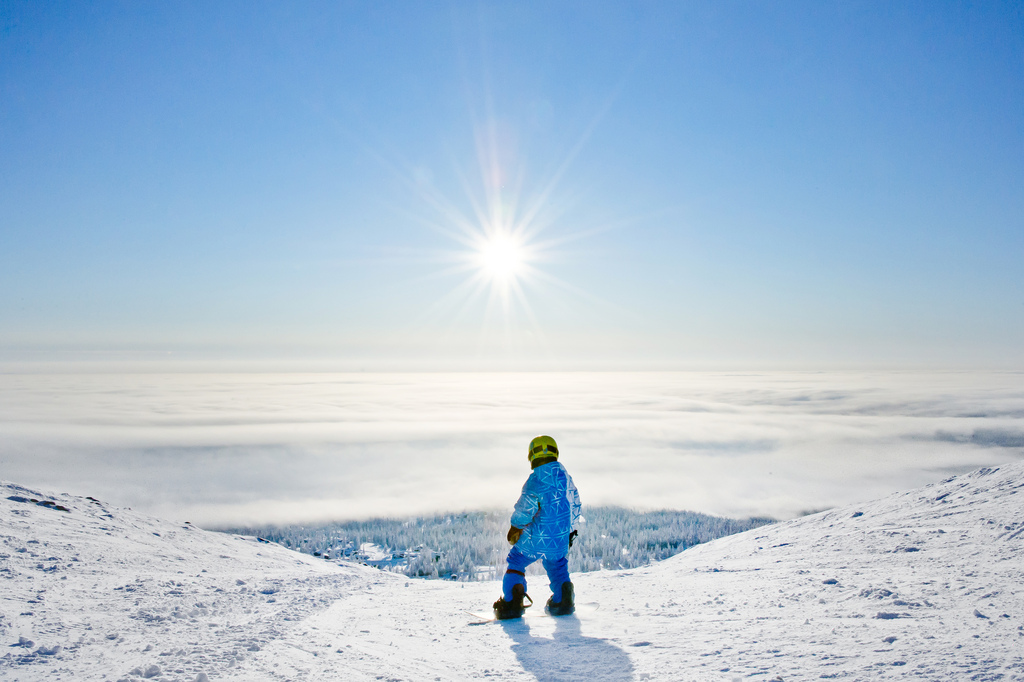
{"x": 568, "y": 603}
{"x": 504, "y": 610}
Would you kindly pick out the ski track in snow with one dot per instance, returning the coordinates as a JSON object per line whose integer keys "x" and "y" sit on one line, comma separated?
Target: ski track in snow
{"x": 927, "y": 584}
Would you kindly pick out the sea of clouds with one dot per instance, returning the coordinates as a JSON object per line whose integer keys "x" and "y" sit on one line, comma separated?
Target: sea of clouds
{"x": 221, "y": 449}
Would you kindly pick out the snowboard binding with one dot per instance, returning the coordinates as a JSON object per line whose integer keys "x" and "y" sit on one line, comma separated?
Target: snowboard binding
{"x": 564, "y": 607}
{"x": 503, "y": 610}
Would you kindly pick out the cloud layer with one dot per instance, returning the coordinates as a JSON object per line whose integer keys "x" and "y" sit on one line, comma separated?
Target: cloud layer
{"x": 237, "y": 448}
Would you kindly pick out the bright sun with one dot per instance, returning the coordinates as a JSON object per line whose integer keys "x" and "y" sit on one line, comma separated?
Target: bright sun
{"x": 501, "y": 257}
{"x": 501, "y": 254}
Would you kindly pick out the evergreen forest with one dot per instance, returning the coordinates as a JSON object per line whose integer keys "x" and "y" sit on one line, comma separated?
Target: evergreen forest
{"x": 471, "y": 545}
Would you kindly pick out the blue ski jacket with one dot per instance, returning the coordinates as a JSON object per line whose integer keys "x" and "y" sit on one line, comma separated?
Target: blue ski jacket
{"x": 548, "y": 510}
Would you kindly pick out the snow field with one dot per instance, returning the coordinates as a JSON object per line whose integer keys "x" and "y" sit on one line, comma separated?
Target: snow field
{"x": 927, "y": 584}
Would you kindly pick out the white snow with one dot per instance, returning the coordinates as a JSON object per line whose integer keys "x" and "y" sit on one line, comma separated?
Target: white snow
{"x": 926, "y": 584}
{"x": 371, "y": 552}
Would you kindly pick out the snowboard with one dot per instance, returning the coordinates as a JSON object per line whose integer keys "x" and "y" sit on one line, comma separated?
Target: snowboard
{"x": 488, "y": 617}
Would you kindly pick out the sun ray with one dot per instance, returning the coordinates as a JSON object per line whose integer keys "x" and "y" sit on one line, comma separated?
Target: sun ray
{"x": 524, "y": 301}
{"x": 467, "y": 306}
{"x": 502, "y": 260}
{"x": 462, "y": 297}
{"x": 509, "y": 229}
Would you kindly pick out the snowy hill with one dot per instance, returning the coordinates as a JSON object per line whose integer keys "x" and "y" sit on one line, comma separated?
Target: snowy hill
{"x": 927, "y": 584}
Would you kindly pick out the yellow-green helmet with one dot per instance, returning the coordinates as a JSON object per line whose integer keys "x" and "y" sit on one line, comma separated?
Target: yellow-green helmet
{"x": 542, "y": 446}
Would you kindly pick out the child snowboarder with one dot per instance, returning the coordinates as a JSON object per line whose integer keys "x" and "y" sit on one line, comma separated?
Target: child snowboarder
{"x": 543, "y": 527}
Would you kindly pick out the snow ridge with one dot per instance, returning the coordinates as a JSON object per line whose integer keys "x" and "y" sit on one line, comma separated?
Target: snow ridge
{"x": 926, "y": 584}
{"x": 99, "y": 591}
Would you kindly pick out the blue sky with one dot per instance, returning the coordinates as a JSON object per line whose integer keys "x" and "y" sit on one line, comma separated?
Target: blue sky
{"x": 700, "y": 184}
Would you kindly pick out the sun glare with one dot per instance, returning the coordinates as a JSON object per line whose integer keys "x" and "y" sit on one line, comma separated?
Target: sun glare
{"x": 501, "y": 257}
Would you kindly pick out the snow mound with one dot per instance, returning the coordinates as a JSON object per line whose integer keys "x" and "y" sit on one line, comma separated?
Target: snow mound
{"x": 927, "y": 584}
{"x": 924, "y": 584}
{"x": 94, "y": 591}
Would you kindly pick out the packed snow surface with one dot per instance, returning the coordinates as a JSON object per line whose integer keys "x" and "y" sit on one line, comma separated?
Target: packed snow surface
{"x": 927, "y": 584}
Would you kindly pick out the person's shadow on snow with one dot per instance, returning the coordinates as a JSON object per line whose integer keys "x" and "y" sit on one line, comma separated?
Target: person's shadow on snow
{"x": 568, "y": 656}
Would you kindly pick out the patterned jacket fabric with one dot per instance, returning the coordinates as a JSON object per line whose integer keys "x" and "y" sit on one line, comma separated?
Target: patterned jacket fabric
{"x": 547, "y": 511}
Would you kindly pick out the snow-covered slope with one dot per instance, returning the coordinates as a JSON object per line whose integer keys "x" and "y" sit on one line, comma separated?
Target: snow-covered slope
{"x": 103, "y": 592}
{"x": 927, "y": 584}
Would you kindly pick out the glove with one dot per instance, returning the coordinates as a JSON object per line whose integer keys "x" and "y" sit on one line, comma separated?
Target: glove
{"x": 572, "y": 536}
{"x": 513, "y": 534}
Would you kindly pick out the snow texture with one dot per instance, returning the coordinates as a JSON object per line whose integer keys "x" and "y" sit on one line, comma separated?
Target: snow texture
{"x": 927, "y": 584}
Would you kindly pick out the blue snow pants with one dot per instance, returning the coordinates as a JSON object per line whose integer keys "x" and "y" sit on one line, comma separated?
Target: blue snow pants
{"x": 558, "y": 573}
